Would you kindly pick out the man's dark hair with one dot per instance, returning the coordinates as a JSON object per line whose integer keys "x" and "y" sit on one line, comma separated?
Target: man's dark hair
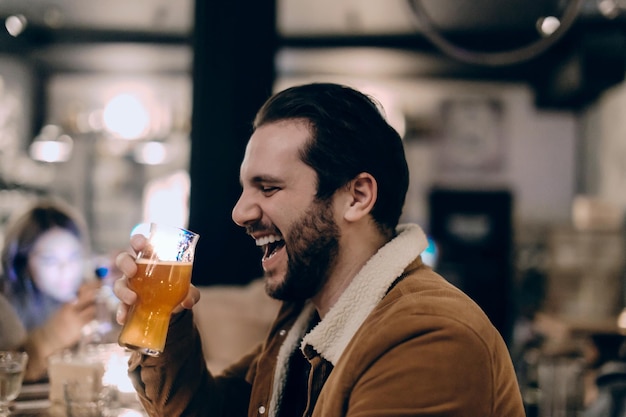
{"x": 349, "y": 136}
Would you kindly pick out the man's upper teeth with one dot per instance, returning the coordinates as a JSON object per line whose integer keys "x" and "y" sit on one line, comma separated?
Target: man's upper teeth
{"x": 268, "y": 239}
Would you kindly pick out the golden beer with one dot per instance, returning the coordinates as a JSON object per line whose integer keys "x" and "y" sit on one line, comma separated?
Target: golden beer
{"x": 160, "y": 287}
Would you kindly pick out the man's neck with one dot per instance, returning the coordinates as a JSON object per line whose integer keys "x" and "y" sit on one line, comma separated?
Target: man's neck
{"x": 351, "y": 259}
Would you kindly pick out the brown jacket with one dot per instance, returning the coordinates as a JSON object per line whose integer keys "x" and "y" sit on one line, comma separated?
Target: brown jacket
{"x": 401, "y": 341}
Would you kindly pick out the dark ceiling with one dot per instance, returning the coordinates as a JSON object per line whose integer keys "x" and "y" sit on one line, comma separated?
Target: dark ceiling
{"x": 495, "y": 40}
{"x": 570, "y": 72}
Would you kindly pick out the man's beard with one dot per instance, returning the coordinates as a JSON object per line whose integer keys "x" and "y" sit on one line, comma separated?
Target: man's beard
{"x": 312, "y": 247}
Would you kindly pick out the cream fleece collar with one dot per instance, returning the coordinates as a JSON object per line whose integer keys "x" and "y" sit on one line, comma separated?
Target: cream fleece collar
{"x": 331, "y": 335}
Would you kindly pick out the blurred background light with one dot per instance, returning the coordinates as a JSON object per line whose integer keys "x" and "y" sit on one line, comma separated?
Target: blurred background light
{"x": 151, "y": 153}
{"x": 51, "y": 145}
{"x": 166, "y": 199}
{"x": 126, "y": 116}
{"x": 548, "y": 25}
{"x": 609, "y": 8}
{"x": 15, "y": 24}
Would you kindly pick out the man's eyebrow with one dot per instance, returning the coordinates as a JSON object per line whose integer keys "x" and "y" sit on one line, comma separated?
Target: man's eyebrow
{"x": 260, "y": 179}
{"x": 264, "y": 178}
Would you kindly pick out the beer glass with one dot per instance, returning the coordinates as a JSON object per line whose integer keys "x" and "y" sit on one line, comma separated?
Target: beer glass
{"x": 161, "y": 283}
{"x": 12, "y": 368}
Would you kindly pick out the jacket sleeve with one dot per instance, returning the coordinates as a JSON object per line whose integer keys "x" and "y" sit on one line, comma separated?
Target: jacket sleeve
{"x": 178, "y": 382}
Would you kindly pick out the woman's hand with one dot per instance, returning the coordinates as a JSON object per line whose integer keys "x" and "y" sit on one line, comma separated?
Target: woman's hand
{"x": 67, "y": 323}
{"x": 126, "y": 264}
{"x": 62, "y": 330}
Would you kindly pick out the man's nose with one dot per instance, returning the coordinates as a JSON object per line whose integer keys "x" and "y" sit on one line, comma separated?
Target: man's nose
{"x": 246, "y": 210}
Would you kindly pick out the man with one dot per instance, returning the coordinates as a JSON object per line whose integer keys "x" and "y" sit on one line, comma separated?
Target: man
{"x": 366, "y": 329}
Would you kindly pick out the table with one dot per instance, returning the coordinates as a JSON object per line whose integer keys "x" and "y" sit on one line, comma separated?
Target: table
{"x": 33, "y": 401}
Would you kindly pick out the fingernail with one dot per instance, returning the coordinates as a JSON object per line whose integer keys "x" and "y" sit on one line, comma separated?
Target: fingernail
{"x": 118, "y": 316}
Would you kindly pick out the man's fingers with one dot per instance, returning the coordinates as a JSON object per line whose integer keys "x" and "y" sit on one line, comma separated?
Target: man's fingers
{"x": 126, "y": 296}
{"x": 121, "y": 313}
{"x": 138, "y": 242}
{"x": 193, "y": 296}
{"x": 122, "y": 292}
{"x": 126, "y": 263}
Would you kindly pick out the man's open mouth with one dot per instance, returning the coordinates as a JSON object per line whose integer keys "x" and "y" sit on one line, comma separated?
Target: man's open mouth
{"x": 270, "y": 244}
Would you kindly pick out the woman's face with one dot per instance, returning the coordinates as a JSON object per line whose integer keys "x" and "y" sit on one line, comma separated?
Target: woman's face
{"x": 56, "y": 264}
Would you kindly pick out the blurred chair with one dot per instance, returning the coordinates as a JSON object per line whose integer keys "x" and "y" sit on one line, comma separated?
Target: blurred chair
{"x": 232, "y": 320}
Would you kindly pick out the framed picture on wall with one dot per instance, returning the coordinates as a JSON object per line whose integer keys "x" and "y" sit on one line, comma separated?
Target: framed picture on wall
{"x": 472, "y": 135}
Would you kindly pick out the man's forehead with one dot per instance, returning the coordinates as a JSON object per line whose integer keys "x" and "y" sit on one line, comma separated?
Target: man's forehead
{"x": 282, "y": 139}
{"x": 274, "y": 150}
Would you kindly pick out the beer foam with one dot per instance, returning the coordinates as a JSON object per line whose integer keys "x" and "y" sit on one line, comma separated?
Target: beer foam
{"x": 147, "y": 261}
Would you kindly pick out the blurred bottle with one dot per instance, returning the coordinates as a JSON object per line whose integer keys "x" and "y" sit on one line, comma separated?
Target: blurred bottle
{"x": 104, "y": 328}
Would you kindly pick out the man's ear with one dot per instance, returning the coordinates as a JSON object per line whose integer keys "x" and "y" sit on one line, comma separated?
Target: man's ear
{"x": 362, "y": 194}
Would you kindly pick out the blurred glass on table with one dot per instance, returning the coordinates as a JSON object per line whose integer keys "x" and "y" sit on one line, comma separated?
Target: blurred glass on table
{"x": 93, "y": 381}
{"x": 12, "y": 368}
{"x": 82, "y": 400}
